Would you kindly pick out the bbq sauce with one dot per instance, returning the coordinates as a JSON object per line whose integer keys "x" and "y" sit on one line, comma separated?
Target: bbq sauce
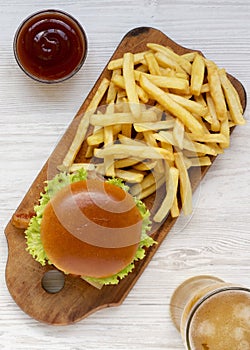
{"x": 50, "y": 46}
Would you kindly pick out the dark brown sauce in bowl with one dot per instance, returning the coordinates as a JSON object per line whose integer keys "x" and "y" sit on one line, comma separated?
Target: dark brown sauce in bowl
{"x": 50, "y": 46}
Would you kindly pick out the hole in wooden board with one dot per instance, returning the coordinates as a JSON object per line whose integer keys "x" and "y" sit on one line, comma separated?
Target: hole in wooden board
{"x": 53, "y": 281}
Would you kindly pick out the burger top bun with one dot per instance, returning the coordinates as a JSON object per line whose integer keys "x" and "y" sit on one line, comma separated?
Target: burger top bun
{"x": 91, "y": 228}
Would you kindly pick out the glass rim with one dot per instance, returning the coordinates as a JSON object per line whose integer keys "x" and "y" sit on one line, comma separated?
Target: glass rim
{"x": 201, "y": 301}
{"x": 81, "y": 29}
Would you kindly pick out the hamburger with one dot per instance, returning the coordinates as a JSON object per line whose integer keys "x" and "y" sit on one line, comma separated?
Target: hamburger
{"x": 89, "y": 227}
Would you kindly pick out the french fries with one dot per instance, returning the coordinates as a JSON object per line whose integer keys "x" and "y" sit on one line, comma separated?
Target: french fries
{"x": 192, "y": 105}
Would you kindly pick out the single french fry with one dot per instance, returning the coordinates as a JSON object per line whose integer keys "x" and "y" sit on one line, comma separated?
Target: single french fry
{"x": 189, "y": 56}
{"x": 152, "y": 63}
{"x": 216, "y": 90}
{"x": 76, "y": 166}
{"x": 200, "y": 161}
{"x": 164, "y": 81}
{"x": 232, "y": 100}
{"x": 141, "y": 152}
{"x": 216, "y": 137}
{"x": 161, "y": 125}
{"x": 89, "y": 152}
{"x": 112, "y": 90}
{"x": 171, "y": 192}
{"x": 127, "y": 130}
{"x": 193, "y": 146}
{"x": 175, "y": 211}
{"x": 185, "y": 185}
{"x": 225, "y": 131}
{"x": 118, "y": 63}
{"x": 120, "y": 118}
{"x": 96, "y": 138}
{"x": 145, "y": 165}
{"x": 178, "y": 133}
{"x": 126, "y": 162}
{"x": 129, "y": 176}
{"x": 197, "y": 74}
{"x": 149, "y": 138}
{"x": 108, "y": 163}
{"x": 130, "y": 86}
{"x": 215, "y": 123}
{"x": 204, "y": 88}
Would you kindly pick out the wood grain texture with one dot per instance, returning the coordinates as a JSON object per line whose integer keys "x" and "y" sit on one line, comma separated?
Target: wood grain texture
{"x": 215, "y": 240}
{"x": 78, "y": 299}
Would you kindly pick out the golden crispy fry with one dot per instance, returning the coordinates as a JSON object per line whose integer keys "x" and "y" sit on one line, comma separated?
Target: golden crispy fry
{"x": 185, "y": 64}
{"x": 84, "y": 125}
{"x": 152, "y": 64}
{"x": 171, "y": 193}
{"x": 112, "y": 90}
{"x": 118, "y": 80}
{"x": 96, "y": 138}
{"x": 167, "y": 62}
{"x": 146, "y": 182}
{"x": 187, "y": 144}
{"x": 105, "y": 135}
{"x": 197, "y": 74}
{"x": 178, "y": 133}
{"x": 118, "y": 63}
{"x": 175, "y": 211}
{"x": 164, "y": 81}
{"x": 200, "y": 161}
{"x": 129, "y": 176}
{"x": 189, "y": 56}
{"x": 149, "y": 138}
{"x": 161, "y": 125}
{"x": 145, "y": 165}
{"x": 191, "y": 106}
{"x": 148, "y": 186}
{"x": 130, "y": 86}
{"x": 120, "y": 118}
{"x": 108, "y": 164}
{"x": 177, "y": 110}
{"x": 185, "y": 185}
{"x": 76, "y": 166}
{"x": 225, "y": 131}
{"x": 126, "y": 162}
{"x": 232, "y": 101}
{"x": 204, "y": 88}
{"x": 141, "y": 152}
{"x": 217, "y": 138}
{"x": 212, "y": 116}
{"x": 216, "y": 90}
{"x": 89, "y": 152}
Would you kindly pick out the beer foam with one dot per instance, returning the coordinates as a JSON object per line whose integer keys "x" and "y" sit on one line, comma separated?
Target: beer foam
{"x": 238, "y": 333}
{"x": 243, "y": 345}
{"x": 222, "y": 322}
{"x": 242, "y": 311}
{"x": 206, "y": 327}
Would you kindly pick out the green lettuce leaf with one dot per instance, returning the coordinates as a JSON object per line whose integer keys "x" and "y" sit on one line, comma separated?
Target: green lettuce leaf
{"x": 33, "y": 238}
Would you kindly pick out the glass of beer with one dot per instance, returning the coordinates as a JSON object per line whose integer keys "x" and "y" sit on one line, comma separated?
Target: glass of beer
{"x": 211, "y": 314}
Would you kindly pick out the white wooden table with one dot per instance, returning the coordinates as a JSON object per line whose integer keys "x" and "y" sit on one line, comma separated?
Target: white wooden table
{"x": 33, "y": 117}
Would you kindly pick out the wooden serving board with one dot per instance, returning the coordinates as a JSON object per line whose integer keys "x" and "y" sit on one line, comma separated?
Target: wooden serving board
{"x": 78, "y": 299}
